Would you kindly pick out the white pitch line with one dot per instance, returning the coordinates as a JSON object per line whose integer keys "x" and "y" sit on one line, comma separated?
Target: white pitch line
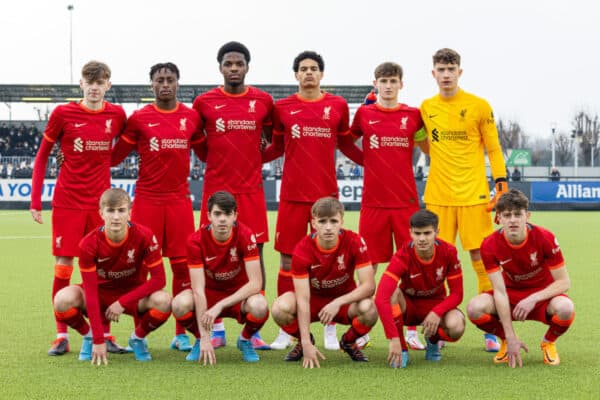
{"x": 23, "y": 237}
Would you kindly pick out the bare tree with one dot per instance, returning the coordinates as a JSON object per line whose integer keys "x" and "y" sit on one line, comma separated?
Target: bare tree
{"x": 511, "y": 135}
{"x": 586, "y": 129}
{"x": 563, "y": 149}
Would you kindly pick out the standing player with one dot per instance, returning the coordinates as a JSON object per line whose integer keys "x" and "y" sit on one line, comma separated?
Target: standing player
{"x": 85, "y": 131}
{"x": 323, "y": 267}
{"x": 114, "y": 262}
{"x": 234, "y": 117}
{"x": 461, "y": 129}
{"x": 529, "y": 281}
{"x": 162, "y": 133}
{"x": 226, "y": 281}
{"x": 423, "y": 267}
{"x": 307, "y": 126}
{"x": 389, "y": 131}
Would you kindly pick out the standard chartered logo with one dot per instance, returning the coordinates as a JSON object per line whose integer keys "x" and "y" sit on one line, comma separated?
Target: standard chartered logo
{"x": 154, "y": 144}
{"x": 78, "y": 145}
{"x": 374, "y": 142}
{"x": 220, "y": 125}
{"x": 295, "y": 131}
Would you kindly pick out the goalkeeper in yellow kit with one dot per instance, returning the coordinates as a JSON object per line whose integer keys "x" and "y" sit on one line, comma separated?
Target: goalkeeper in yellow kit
{"x": 461, "y": 128}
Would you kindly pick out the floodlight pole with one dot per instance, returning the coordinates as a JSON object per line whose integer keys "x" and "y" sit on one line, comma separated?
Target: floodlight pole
{"x": 553, "y": 144}
{"x": 70, "y": 8}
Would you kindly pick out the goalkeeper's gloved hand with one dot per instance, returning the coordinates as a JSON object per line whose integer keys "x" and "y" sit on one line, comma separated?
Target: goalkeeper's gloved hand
{"x": 501, "y": 188}
{"x": 371, "y": 98}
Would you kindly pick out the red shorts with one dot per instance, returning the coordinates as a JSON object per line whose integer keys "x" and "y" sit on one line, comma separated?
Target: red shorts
{"x": 170, "y": 222}
{"x": 539, "y": 311}
{"x": 252, "y": 212}
{"x": 285, "y": 282}
{"x": 417, "y": 309}
{"x": 69, "y": 226}
{"x": 107, "y": 297}
{"x": 378, "y": 225}
{"x": 293, "y": 223}
{"x": 317, "y": 303}
{"x": 235, "y": 311}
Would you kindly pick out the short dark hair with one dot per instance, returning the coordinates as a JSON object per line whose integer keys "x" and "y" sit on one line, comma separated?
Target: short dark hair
{"x": 93, "y": 71}
{"x": 167, "y": 65}
{"x": 424, "y": 218}
{"x": 231, "y": 47}
{"x": 224, "y": 200}
{"x": 327, "y": 207}
{"x": 114, "y": 197}
{"x": 312, "y": 55}
{"x": 388, "y": 69}
{"x": 513, "y": 200}
{"x": 446, "y": 56}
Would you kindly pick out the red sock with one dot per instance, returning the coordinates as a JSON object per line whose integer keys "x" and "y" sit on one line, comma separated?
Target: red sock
{"x": 558, "y": 327}
{"x": 253, "y": 325}
{"x": 292, "y": 329}
{"x": 73, "y": 317}
{"x": 442, "y": 335}
{"x": 284, "y": 282}
{"x": 399, "y": 322}
{"x": 151, "y": 320}
{"x": 189, "y": 322}
{"x": 181, "y": 280}
{"x": 490, "y": 324}
{"x": 355, "y": 331}
{"x": 62, "y": 277}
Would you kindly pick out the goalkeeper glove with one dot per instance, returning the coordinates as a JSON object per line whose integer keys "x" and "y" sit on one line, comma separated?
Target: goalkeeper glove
{"x": 501, "y": 188}
{"x": 371, "y": 98}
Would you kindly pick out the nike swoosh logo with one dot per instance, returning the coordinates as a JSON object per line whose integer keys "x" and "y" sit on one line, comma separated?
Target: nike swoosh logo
{"x": 315, "y": 266}
{"x": 219, "y": 106}
{"x": 432, "y": 115}
{"x": 414, "y": 276}
{"x": 505, "y": 261}
{"x": 151, "y": 125}
{"x": 295, "y": 112}
{"x": 103, "y": 259}
{"x": 80, "y": 125}
{"x": 210, "y": 258}
{"x": 259, "y": 234}
{"x": 184, "y": 284}
{"x": 374, "y": 122}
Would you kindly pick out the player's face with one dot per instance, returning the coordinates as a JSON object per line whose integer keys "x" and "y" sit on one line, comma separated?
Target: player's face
{"x": 446, "y": 76}
{"x": 93, "y": 91}
{"x": 234, "y": 68}
{"x": 116, "y": 218}
{"x": 309, "y": 75}
{"x": 221, "y": 222}
{"x": 388, "y": 87}
{"x": 424, "y": 238}
{"x": 327, "y": 229}
{"x": 164, "y": 85}
{"x": 514, "y": 224}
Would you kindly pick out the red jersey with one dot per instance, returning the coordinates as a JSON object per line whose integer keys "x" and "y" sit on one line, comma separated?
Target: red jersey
{"x": 120, "y": 268}
{"x": 233, "y": 126}
{"x": 310, "y": 129}
{"x": 163, "y": 141}
{"x": 85, "y": 138}
{"x": 388, "y": 142}
{"x": 223, "y": 262}
{"x": 526, "y": 265}
{"x": 422, "y": 279}
{"x": 330, "y": 272}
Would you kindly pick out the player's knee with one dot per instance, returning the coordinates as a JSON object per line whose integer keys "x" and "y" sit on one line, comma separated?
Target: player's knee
{"x": 161, "y": 301}
{"x": 367, "y": 311}
{"x": 563, "y": 307}
{"x": 182, "y": 303}
{"x": 454, "y": 323}
{"x": 478, "y": 306}
{"x": 283, "y": 309}
{"x": 67, "y": 298}
{"x": 257, "y": 306}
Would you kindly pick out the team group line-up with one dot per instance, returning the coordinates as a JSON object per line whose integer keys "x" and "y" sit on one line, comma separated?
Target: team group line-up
{"x": 327, "y": 273}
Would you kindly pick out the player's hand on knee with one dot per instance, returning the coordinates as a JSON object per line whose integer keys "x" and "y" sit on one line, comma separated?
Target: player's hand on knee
{"x": 430, "y": 324}
{"x": 328, "y": 313}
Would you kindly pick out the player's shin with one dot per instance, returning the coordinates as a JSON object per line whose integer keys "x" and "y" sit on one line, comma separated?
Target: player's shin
{"x": 558, "y": 327}
{"x": 62, "y": 277}
{"x": 151, "y": 321}
{"x": 73, "y": 317}
{"x": 489, "y": 324}
{"x": 253, "y": 324}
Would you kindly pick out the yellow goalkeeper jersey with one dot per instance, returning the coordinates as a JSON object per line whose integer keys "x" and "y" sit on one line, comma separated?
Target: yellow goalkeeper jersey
{"x": 459, "y": 129}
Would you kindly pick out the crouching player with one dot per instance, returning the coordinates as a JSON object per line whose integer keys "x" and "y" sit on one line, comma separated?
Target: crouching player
{"x": 323, "y": 266}
{"x": 114, "y": 263}
{"x": 422, "y": 266}
{"x": 529, "y": 280}
{"x": 226, "y": 281}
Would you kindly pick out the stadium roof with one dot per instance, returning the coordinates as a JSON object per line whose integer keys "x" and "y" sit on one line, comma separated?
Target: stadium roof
{"x": 142, "y": 93}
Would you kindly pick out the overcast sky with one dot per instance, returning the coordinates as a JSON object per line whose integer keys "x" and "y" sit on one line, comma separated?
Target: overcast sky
{"x": 536, "y": 62}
